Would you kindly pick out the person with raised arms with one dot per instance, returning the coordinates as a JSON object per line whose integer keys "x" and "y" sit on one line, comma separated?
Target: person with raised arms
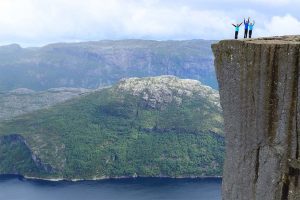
{"x": 237, "y": 28}
{"x": 251, "y": 28}
{"x": 246, "y": 23}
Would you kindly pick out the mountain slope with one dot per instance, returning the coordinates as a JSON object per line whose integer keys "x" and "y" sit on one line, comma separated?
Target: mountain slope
{"x": 96, "y": 64}
{"x": 161, "y": 126}
{"x": 22, "y": 100}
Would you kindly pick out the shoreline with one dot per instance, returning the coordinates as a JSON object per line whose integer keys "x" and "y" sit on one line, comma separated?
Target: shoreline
{"x": 106, "y": 178}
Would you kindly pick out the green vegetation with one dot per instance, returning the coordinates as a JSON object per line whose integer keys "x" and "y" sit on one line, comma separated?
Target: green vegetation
{"x": 15, "y": 157}
{"x": 118, "y": 132}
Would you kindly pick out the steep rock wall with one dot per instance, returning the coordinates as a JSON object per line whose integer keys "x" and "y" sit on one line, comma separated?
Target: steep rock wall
{"x": 259, "y": 89}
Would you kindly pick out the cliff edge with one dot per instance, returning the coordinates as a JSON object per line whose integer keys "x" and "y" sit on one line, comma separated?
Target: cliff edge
{"x": 259, "y": 88}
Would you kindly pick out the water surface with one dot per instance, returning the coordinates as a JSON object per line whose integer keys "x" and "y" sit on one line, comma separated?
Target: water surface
{"x": 17, "y": 188}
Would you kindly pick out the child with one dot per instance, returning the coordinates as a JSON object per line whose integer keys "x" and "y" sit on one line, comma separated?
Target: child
{"x": 237, "y": 28}
{"x": 251, "y": 28}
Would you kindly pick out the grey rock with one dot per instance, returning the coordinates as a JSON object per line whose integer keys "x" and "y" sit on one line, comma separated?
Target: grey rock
{"x": 259, "y": 87}
{"x": 161, "y": 90}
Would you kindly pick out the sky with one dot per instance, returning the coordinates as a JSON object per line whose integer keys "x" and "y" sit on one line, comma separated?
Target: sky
{"x": 40, "y": 22}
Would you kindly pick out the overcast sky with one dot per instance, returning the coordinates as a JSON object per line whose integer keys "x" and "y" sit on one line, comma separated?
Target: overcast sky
{"x": 39, "y": 22}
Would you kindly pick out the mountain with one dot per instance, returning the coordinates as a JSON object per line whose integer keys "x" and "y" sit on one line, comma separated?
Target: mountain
{"x": 102, "y": 63}
{"x": 22, "y": 100}
{"x": 156, "y": 126}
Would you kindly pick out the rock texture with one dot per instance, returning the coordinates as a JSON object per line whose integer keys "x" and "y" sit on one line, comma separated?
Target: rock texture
{"x": 161, "y": 90}
{"x": 259, "y": 88}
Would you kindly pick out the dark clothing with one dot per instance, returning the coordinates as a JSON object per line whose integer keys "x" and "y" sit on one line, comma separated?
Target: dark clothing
{"x": 246, "y": 33}
{"x": 236, "y": 34}
{"x": 250, "y": 33}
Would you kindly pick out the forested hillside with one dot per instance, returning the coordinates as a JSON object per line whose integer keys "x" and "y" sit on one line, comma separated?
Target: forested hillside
{"x": 161, "y": 126}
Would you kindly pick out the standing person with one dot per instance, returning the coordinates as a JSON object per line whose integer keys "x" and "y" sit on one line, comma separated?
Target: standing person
{"x": 246, "y": 23}
{"x": 251, "y": 28}
{"x": 237, "y": 28}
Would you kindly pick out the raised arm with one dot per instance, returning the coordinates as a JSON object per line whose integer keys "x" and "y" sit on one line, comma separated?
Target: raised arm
{"x": 233, "y": 25}
{"x": 244, "y": 21}
{"x": 240, "y": 24}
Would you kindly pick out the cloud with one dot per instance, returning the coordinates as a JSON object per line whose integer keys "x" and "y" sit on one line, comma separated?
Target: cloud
{"x": 281, "y": 25}
{"x": 32, "y": 20}
{"x": 35, "y": 22}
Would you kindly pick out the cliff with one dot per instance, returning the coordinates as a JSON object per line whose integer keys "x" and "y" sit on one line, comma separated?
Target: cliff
{"x": 259, "y": 87}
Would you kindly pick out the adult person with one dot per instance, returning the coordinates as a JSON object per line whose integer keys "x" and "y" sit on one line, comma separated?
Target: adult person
{"x": 251, "y": 28}
{"x": 246, "y": 23}
{"x": 237, "y": 28}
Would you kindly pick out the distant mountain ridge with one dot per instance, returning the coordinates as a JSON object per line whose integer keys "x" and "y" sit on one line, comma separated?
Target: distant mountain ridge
{"x": 103, "y": 63}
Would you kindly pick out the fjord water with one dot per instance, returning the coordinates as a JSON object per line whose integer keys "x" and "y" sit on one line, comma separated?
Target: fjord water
{"x": 16, "y": 188}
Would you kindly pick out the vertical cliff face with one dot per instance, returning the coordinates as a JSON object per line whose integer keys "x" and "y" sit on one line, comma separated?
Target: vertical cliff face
{"x": 259, "y": 89}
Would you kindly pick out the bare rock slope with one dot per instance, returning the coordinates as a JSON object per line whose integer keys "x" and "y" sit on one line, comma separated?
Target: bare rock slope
{"x": 22, "y": 100}
{"x": 160, "y": 90}
{"x": 259, "y": 87}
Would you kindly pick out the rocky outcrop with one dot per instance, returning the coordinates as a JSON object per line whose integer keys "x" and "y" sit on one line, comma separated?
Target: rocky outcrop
{"x": 161, "y": 90}
{"x": 259, "y": 88}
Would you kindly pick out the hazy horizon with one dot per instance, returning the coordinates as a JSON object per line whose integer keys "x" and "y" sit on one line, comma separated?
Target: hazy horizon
{"x": 102, "y": 40}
